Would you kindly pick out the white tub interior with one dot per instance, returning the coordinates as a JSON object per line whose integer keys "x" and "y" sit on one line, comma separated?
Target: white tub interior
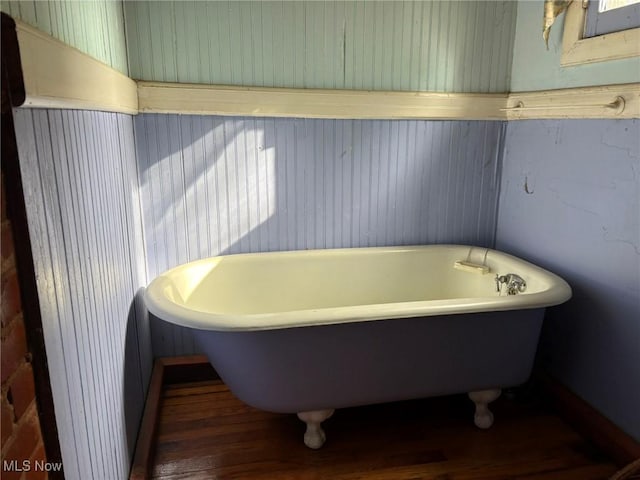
{"x": 273, "y": 290}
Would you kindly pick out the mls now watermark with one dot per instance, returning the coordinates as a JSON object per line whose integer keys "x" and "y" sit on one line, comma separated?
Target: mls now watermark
{"x": 29, "y": 466}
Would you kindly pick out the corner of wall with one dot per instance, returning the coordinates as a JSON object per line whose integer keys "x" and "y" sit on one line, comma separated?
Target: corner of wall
{"x": 69, "y": 22}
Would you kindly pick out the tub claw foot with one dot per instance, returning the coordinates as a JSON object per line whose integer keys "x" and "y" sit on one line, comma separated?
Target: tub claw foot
{"x": 314, "y": 437}
{"x": 483, "y": 417}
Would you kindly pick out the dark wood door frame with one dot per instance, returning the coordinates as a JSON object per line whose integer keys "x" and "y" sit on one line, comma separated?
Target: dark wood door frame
{"x": 13, "y": 95}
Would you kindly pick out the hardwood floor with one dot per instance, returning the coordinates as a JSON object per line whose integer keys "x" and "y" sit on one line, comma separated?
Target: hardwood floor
{"x": 204, "y": 432}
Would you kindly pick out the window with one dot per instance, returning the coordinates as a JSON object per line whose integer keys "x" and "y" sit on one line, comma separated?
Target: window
{"x": 608, "y": 5}
{"x": 594, "y": 36}
{"x": 607, "y": 16}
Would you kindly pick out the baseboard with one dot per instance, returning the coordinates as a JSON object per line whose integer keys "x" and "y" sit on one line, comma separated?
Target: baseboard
{"x": 589, "y": 422}
{"x": 585, "y": 419}
{"x": 166, "y": 371}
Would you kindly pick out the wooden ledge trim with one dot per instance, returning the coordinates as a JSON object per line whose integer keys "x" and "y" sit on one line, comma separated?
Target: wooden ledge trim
{"x": 59, "y": 76}
{"x": 608, "y": 101}
{"x": 195, "y": 99}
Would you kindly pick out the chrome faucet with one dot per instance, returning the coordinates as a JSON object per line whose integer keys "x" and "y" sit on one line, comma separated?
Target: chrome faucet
{"x": 515, "y": 283}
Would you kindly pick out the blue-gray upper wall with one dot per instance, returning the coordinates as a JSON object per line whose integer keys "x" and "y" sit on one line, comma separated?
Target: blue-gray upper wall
{"x": 221, "y": 185}
{"x": 570, "y": 202}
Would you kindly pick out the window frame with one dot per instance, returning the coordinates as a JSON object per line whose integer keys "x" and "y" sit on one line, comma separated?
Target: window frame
{"x": 577, "y": 50}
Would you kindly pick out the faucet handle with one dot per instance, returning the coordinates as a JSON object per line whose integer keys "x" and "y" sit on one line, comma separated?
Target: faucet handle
{"x": 515, "y": 283}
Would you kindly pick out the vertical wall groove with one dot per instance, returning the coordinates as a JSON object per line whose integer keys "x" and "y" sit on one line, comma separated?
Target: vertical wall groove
{"x": 386, "y": 45}
{"x": 94, "y": 27}
{"x": 80, "y": 184}
{"x": 221, "y": 185}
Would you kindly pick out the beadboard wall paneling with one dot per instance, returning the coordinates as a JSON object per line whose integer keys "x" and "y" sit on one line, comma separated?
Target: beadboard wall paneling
{"x": 81, "y": 190}
{"x": 462, "y": 46}
{"x": 222, "y": 185}
{"x": 93, "y": 27}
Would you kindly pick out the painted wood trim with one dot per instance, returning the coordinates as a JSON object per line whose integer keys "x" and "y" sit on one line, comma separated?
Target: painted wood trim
{"x": 589, "y": 422}
{"x": 577, "y": 50}
{"x": 195, "y": 99}
{"x": 59, "y": 76}
{"x": 609, "y": 101}
{"x": 143, "y": 455}
{"x": 166, "y": 370}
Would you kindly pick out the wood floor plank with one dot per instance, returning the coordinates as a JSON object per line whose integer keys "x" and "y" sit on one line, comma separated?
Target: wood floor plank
{"x": 205, "y": 403}
{"x": 205, "y": 432}
{"x": 191, "y": 388}
{"x": 583, "y": 472}
{"x": 205, "y": 412}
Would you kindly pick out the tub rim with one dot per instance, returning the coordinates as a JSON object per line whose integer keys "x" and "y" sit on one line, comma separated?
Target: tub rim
{"x": 558, "y": 291}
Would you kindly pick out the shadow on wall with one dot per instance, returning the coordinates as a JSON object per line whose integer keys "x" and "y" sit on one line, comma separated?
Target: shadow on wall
{"x": 135, "y": 381}
{"x": 215, "y": 185}
{"x": 80, "y": 178}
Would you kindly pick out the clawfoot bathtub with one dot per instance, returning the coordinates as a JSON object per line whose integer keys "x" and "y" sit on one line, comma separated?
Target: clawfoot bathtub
{"x": 307, "y": 332}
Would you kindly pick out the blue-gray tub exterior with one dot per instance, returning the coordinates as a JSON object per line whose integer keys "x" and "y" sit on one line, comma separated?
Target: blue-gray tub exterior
{"x": 335, "y": 366}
